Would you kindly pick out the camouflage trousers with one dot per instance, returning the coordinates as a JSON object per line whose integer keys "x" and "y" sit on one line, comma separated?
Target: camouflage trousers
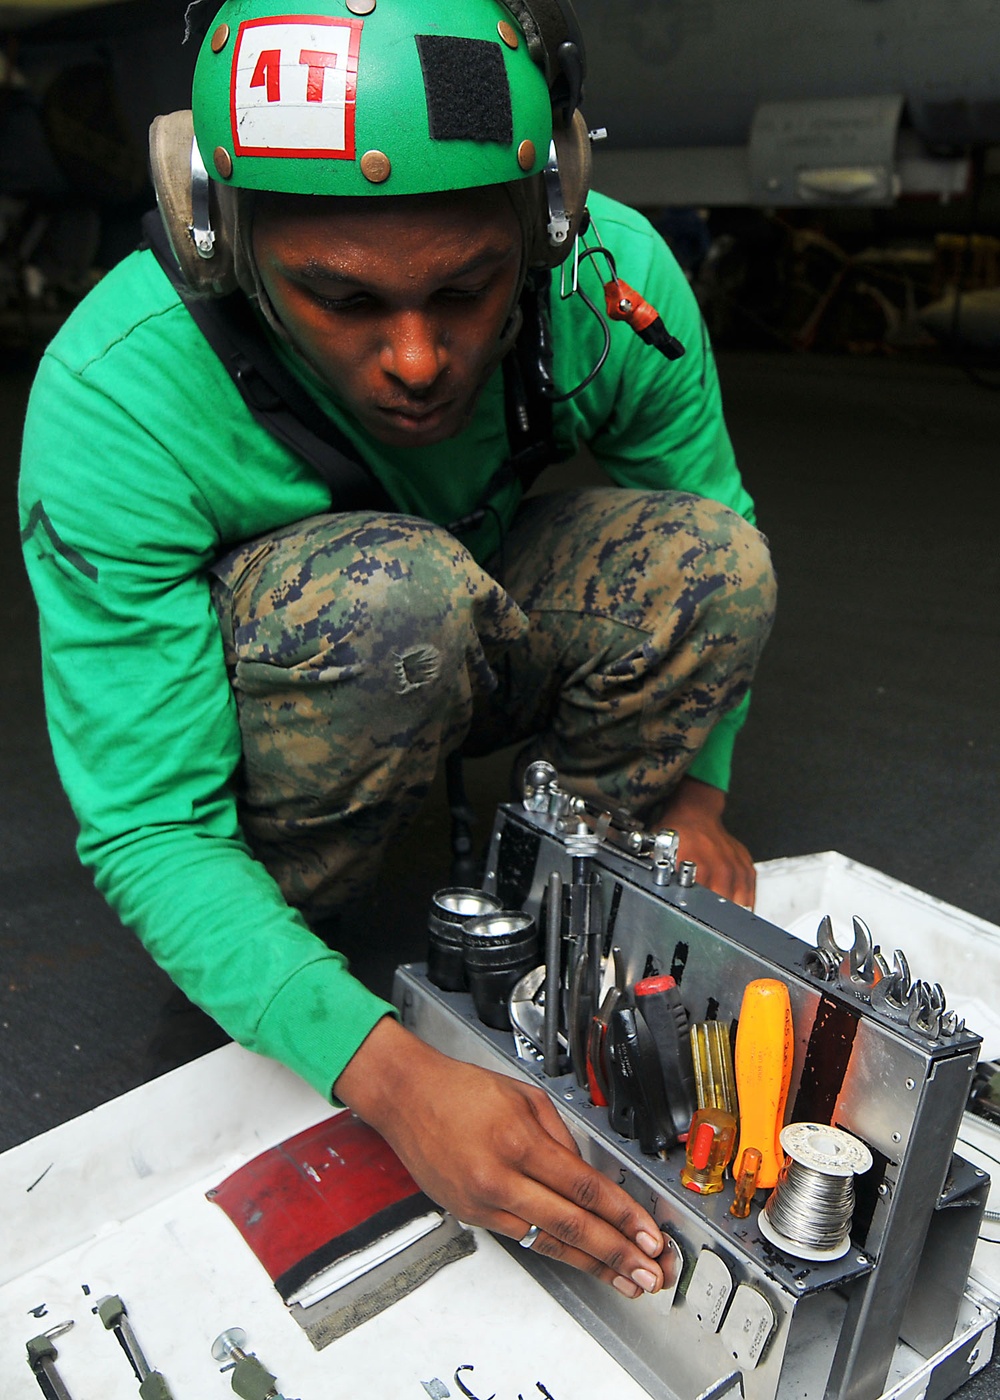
{"x": 363, "y": 647}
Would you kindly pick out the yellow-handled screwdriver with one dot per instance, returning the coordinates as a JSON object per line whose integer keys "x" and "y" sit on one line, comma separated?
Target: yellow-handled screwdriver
{"x": 764, "y": 1049}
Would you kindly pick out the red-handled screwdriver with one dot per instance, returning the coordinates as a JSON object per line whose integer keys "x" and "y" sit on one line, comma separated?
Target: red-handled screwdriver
{"x": 709, "y": 1147}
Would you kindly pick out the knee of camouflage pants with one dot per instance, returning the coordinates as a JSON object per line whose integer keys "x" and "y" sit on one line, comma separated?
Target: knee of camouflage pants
{"x": 648, "y": 612}
{"x": 355, "y": 644}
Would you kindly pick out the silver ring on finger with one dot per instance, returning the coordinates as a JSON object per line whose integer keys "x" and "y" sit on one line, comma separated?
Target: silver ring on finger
{"x": 526, "y": 1241}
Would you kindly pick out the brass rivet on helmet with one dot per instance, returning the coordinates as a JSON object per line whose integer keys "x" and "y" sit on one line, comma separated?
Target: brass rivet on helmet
{"x": 223, "y": 162}
{"x": 220, "y": 38}
{"x": 526, "y": 155}
{"x": 361, "y": 7}
{"x": 508, "y": 34}
{"x": 376, "y": 167}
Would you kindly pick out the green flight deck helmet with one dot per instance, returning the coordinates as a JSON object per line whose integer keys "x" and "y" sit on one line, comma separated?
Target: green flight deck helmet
{"x": 375, "y": 97}
{"x": 400, "y": 96}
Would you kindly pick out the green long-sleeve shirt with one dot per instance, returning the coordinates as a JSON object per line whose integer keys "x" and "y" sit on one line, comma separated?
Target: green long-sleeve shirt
{"x": 141, "y": 464}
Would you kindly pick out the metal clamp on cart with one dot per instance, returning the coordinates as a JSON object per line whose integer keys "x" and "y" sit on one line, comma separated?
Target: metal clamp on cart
{"x": 787, "y": 1113}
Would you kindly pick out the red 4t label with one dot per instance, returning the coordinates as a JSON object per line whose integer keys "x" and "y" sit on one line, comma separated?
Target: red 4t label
{"x": 293, "y": 87}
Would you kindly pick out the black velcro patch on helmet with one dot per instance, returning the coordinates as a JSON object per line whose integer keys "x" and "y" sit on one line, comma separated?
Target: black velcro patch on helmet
{"x": 468, "y": 94}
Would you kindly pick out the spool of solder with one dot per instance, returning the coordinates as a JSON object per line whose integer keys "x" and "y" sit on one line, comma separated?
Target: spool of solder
{"x": 809, "y": 1212}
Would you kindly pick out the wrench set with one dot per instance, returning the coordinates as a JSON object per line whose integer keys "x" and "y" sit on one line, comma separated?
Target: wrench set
{"x": 873, "y": 1066}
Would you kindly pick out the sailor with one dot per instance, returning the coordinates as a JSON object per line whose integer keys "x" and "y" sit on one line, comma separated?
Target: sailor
{"x": 275, "y": 513}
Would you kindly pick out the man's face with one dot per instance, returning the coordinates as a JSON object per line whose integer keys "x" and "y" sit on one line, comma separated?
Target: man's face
{"x": 397, "y": 303}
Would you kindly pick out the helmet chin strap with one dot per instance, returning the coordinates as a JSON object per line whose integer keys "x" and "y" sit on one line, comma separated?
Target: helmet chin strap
{"x": 250, "y": 283}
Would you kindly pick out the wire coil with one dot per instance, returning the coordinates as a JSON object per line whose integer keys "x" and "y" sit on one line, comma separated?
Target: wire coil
{"x": 809, "y": 1212}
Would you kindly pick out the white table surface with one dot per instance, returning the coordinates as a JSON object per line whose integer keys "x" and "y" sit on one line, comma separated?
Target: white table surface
{"x": 115, "y": 1200}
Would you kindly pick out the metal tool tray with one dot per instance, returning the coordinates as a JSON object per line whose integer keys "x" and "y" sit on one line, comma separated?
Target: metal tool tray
{"x": 740, "y": 1317}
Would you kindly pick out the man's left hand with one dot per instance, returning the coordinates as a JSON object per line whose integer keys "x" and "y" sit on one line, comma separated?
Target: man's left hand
{"x": 724, "y": 864}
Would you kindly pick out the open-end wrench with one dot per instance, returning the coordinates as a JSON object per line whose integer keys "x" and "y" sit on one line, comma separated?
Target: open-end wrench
{"x": 860, "y": 962}
{"x": 922, "y": 1010}
{"x": 891, "y": 994}
{"x": 952, "y": 1024}
{"x": 856, "y": 969}
{"x": 925, "y": 1017}
{"x": 824, "y": 960}
{"x": 919, "y": 1005}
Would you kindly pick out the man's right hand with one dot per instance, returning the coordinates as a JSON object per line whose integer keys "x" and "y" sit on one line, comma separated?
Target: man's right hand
{"x": 494, "y": 1152}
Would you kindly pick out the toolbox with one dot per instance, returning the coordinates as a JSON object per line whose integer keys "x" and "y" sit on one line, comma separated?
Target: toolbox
{"x": 117, "y": 1201}
{"x": 897, "y": 1314}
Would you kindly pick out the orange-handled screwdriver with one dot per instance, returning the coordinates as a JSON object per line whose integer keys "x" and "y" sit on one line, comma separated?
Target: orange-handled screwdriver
{"x": 746, "y": 1183}
{"x": 764, "y": 1048}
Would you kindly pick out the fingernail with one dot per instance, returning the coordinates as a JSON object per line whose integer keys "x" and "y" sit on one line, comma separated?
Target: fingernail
{"x": 649, "y": 1244}
{"x": 626, "y": 1286}
{"x": 646, "y": 1280}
